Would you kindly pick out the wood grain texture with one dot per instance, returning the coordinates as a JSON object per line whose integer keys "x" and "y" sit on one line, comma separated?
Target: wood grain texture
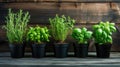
{"x": 82, "y": 13}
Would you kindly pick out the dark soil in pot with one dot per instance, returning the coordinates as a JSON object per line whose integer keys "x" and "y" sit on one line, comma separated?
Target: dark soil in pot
{"x": 103, "y": 51}
{"x": 17, "y": 50}
{"x": 61, "y": 50}
{"x": 81, "y": 50}
{"x": 38, "y": 50}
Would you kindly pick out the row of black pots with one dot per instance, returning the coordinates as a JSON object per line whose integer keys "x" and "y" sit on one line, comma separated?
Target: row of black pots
{"x": 60, "y": 50}
{"x": 38, "y": 50}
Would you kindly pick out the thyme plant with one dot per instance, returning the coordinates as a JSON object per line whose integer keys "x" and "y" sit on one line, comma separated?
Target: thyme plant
{"x": 60, "y": 26}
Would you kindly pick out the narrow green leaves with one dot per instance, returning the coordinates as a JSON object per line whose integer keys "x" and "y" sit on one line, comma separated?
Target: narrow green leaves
{"x": 16, "y": 24}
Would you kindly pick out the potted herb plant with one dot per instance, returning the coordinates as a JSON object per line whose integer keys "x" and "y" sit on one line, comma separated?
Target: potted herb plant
{"x": 38, "y": 37}
{"x": 82, "y": 37}
{"x": 60, "y": 27}
{"x": 16, "y": 24}
{"x": 102, "y": 34}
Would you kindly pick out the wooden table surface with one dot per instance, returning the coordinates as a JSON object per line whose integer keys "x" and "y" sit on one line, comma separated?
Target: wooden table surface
{"x": 50, "y": 61}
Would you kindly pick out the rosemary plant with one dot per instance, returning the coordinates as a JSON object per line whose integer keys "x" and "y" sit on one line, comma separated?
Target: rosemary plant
{"x": 16, "y": 24}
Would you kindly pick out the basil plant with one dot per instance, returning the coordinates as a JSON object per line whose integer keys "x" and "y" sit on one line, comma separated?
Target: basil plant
{"x": 102, "y": 32}
{"x": 38, "y": 35}
{"x": 81, "y": 35}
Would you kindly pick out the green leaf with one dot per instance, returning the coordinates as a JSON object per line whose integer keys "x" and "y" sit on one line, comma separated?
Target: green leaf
{"x": 76, "y": 30}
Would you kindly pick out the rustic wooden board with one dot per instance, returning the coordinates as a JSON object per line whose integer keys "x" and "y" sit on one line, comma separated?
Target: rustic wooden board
{"x": 82, "y": 13}
{"x": 50, "y": 61}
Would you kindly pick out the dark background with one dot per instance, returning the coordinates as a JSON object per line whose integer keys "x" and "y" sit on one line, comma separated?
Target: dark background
{"x": 85, "y": 12}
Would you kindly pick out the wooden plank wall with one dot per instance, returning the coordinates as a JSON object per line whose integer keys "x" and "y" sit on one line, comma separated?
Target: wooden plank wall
{"x": 85, "y": 12}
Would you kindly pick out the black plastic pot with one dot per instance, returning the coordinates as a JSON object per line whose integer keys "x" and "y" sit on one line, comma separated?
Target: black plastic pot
{"x": 38, "y": 50}
{"x": 103, "y": 51}
{"x": 61, "y": 50}
{"x": 81, "y": 50}
{"x": 17, "y": 50}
